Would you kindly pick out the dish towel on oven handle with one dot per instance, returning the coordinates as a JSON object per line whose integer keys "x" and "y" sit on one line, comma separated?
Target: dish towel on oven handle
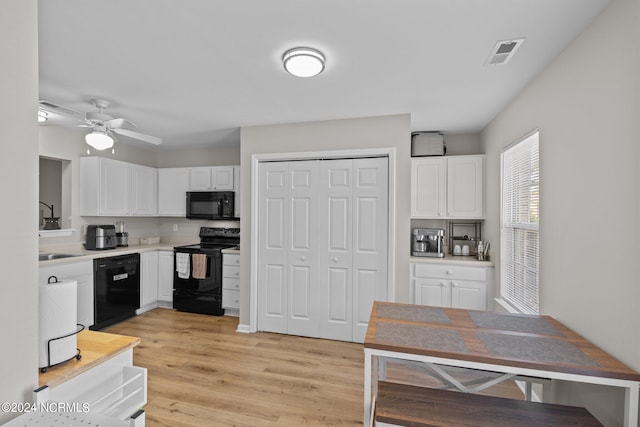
{"x": 199, "y": 262}
{"x": 182, "y": 265}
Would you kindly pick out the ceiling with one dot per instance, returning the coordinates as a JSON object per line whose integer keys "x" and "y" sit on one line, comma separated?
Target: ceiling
{"x": 193, "y": 72}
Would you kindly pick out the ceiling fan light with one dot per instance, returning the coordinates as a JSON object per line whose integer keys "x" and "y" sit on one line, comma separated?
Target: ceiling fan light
{"x": 303, "y": 61}
{"x": 99, "y": 140}
{"x": 42, "y": 116}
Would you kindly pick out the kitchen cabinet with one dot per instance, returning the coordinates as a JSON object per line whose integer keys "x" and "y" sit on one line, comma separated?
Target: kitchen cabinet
{"x": 447, "y": 187}
{"x": 82, "y": 272}
{"x": 214, "y": 178}
{"x": 114, "y": 188}
{"x": 448, "y": 285}
{"x": 165, "y": 277}
{"x": 149, "y": 281}
{"x": 231, "y": 282}
{"x": 173, "y": 183}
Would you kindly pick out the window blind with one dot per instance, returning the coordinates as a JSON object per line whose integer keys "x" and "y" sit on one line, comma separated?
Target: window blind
{"x": 519, "y": 225}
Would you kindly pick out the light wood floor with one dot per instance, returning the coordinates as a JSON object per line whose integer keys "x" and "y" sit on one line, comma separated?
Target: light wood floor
{"x": 203, "y": 373}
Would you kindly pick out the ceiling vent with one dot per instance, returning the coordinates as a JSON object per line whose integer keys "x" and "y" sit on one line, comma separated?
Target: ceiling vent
{"x": 503, "y": 51}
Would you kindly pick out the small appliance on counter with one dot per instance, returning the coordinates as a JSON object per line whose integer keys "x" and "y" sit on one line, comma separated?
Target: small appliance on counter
{"x": 427, "y": 242}
{"x": 101, "y": 237}
{"x": 122, "y": 236}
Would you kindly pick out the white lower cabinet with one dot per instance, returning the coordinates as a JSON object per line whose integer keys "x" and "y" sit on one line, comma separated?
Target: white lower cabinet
{"x": 114, "y": 392}
{"x": 231, "y": 283}
{"x": 82, "y": 272}
{"x": 149, "y": 281}
{"x": 446, "y": 285}
{"x": 165, "y": 277}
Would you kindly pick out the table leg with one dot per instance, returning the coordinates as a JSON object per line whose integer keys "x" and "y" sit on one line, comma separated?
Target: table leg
{"x": 631, "y": 396}
{"x": 367, "y": 388}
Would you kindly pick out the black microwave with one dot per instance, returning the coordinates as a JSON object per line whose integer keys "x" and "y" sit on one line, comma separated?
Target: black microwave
{"x": 210, "y": 204}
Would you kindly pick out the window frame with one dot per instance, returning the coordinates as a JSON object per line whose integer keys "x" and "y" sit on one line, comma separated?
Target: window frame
{"x": 520, "y": 224}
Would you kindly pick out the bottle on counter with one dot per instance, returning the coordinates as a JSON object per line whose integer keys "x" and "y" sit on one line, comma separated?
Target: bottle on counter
{"x": 480, "y": 251}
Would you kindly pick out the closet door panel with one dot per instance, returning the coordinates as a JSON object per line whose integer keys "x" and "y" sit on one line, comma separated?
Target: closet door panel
{"x": 272, "y": 236}
{"x": 371, "y": 225}
{"x": 302, "y": 254}
{"x": 335, "y": 249}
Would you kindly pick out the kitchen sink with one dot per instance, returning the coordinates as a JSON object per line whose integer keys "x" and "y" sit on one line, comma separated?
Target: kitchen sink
{"x": 48, "y": 256}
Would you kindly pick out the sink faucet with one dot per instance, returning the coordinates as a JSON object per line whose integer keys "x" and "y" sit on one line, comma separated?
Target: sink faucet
{"x": 51, "y": 223}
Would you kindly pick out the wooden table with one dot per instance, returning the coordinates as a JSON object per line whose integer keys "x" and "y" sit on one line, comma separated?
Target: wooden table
{"x": 514, "y": 345}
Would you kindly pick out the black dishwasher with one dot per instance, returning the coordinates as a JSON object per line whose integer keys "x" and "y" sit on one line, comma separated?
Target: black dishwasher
{"x": 116, "y": 289}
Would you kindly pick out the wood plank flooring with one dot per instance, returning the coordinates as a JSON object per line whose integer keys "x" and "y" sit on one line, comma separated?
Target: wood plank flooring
{"x": 201, "y": 372}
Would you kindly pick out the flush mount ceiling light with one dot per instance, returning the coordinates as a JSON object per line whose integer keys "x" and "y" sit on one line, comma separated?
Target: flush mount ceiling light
{"x": 99, "y": 139}
{"x": 303, "y": 61}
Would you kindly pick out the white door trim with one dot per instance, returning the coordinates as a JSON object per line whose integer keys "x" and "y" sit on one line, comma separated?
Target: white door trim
{"x": 256, "y": 159}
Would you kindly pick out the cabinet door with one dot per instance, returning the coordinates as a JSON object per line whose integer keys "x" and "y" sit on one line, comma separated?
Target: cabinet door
{"x": 173, "y": 184}
{"x": 200, "y": 179}
{"x": 149, "y": 278}
{"x": 222, "y": 178}
{"x": 465, "y": 182}
{"x": 144, "y": 189}
{"x": 428, "y": 188}
{"x": 436, "y": 292}
{"x": 165, "y": 276}
{"x": 468, "y": 295}
{"x": 115, "y": 188}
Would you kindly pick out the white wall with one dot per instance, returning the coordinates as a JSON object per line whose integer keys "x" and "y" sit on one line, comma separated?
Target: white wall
{"x": 587, "y": 107}
{"x": 372, "y": 132}
{"x": 224, "y": 156}
{"x": 19, "y": 192}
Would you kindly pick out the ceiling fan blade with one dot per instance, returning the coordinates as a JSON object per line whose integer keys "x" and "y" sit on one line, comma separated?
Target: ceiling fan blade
{"x": 137, "y": 135}
{"x": 60, "y": 110}
{"x": 118, "y": 123}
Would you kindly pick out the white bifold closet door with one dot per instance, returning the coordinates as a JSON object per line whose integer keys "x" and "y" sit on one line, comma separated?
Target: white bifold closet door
{"x": 323, "y": 250}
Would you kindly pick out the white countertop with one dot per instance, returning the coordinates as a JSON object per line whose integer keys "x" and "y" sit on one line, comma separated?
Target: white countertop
{"x": 454, "y": 260}
{"x": 83, "y": 254}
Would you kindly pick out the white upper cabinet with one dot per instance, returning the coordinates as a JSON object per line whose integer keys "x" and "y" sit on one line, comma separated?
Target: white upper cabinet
{"x": 114, "y": 188}
{"x": 173, "y": 184}
{"x": 447, "y": 187}
{"x": 465, "y": 180}
{"x": 428, "y": 187}
{"x": 216, "y": 178}
{"x": 144, "y": 191}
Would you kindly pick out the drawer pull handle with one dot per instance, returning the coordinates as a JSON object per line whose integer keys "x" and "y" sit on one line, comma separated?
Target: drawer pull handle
{"x": 302, "y": 258}
{"x": 335, "y": 260}
{"x": 449, "y": 272}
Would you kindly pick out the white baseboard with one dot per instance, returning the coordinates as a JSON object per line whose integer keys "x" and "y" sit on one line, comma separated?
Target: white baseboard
{"x": 245, "y": 329}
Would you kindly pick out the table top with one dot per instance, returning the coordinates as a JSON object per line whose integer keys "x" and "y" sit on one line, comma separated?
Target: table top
{"x": 96, "y": 347}
{"x": 526, "y": 341}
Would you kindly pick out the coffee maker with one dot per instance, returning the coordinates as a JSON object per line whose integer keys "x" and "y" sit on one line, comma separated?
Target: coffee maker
{"x": 427, "y": 242}
{"x": 121, "y": 235}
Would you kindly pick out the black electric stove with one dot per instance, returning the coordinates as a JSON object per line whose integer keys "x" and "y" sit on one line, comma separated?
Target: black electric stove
{"x": 203, "y": 293}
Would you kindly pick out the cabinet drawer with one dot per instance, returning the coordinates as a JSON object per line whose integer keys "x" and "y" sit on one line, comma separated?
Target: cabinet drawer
{"x": 231, "y": 271}
{"x": 228, "y": 259}
{"x": 230, "y": 298}
{"x": 444, "y": 271}
{"x": 230, "y": 283}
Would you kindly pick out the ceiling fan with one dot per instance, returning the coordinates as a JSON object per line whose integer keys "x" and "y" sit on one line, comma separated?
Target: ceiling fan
{"x": 104, "y": 127}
